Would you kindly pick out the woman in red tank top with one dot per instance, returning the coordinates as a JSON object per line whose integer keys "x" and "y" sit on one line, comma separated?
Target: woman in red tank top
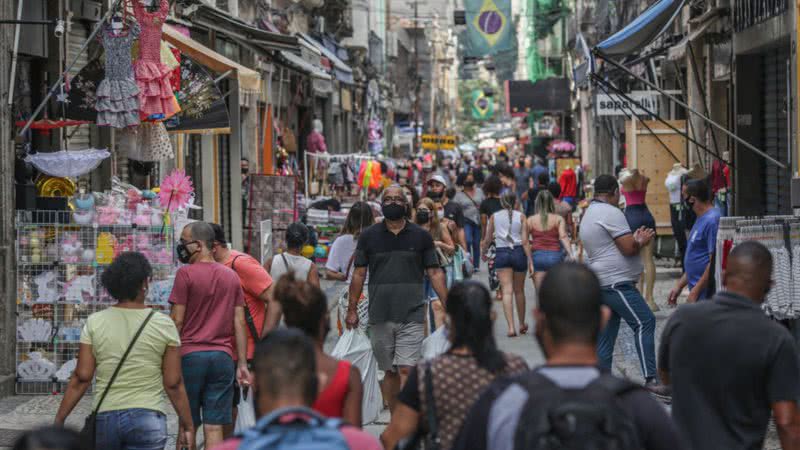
{"x": 340, "y": 390}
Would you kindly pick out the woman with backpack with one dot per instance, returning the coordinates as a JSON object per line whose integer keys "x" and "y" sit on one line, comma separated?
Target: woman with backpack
{"x": 306, "y": 308}
{"x": 452, "y": 382}
{"x": 135, "y": 353}
{"x": 509, "y": 231}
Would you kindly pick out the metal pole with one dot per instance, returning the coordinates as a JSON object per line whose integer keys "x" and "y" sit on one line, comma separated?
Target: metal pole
{"x": 14, "y": 55}
{"x": 71, "y": 65}
{"x": 416, "y": 77}
{"x": 693, "y": 111}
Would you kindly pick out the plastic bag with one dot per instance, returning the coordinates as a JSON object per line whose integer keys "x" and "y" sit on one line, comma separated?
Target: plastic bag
{"x": 435, "y": 344}
{"x": 246, "y": 417}
{"x": 354, "y": 346}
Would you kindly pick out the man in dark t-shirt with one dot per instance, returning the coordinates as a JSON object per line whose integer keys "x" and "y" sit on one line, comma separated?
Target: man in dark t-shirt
{"x": 568, "y": 318}
{"x": 731, "y": 367}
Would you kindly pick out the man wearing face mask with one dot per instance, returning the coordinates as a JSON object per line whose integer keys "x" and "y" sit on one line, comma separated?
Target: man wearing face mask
{"x": 398, "y": 254}
{"x": 208, "y": 310}
{"x": 701, "y": 245}
{"x": 569, "y": 317}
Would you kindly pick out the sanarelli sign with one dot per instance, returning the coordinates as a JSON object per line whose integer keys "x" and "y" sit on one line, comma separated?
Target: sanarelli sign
{"x": 617, "y": 105}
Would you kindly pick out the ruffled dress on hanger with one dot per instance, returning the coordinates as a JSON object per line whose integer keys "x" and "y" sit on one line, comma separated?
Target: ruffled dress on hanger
{"x": 156, "y": 98}
{"x": 118, "y": 94}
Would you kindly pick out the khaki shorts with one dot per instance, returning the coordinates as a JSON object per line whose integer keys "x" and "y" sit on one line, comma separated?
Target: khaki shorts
{"x": 397, "y": 344}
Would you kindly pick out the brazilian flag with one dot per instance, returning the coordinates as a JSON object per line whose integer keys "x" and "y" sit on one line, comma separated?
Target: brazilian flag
{"x": 490, "y": 29}
{"x": 482, "y": 106}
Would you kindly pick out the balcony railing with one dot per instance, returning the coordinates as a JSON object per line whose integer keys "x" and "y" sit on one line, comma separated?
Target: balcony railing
{"x": 747, "y": 13}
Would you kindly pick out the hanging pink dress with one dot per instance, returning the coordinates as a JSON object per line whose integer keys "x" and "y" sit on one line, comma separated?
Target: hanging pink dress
{"x": 156, "y": 98}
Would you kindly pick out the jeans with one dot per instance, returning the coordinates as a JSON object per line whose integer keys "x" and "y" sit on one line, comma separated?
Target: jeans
{"x": 131, "y": 429}
{"x": 627, "y": 303}
{"x": 473, "y": 236}
{"x": 721, "y": 203}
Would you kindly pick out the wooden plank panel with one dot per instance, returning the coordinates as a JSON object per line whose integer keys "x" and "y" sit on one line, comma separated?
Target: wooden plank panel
{"x": 653, "y": 160}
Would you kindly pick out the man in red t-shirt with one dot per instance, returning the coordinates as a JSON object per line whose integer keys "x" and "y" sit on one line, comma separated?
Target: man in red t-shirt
{"x": 208, "y": 310}
{"x": 255, "y": 281}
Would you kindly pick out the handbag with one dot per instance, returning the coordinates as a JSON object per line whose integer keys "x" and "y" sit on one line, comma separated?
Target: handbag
{"x": 426, "y": 438}
{"x": 444, "y": 260}
{"x": 89, "y": 431}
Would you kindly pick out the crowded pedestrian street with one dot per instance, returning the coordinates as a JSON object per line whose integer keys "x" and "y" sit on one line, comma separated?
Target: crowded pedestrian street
{"x": 399, "y": 225}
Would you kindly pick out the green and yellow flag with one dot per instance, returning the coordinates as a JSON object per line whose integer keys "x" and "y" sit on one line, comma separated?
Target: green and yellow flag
{"x": 490, "y": 29}
{"x": 482, "y": 106}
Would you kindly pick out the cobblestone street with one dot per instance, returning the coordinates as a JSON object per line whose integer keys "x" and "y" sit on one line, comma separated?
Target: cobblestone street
{"x": 21, "y": 413}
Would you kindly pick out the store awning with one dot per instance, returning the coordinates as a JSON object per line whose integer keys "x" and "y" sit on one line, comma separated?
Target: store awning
{"x": 341, "y": 70}
{"x": 249, "y": 80}
{"x": 678, "y": 51}
{"x": 304, "y": 66}
{"x": 642, "y": 30}
{"x": 220, "y": 21}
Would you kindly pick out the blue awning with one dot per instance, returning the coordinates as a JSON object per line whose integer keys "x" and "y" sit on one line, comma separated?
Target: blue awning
{"x": 642, "y": 30}
{"x": 341, "y": 70}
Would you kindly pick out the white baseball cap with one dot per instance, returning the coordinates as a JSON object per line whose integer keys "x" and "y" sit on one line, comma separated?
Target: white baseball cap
{"x": 439, "y": 179}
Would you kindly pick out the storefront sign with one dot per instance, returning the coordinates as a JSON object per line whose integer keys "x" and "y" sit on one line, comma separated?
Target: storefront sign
{"x": 322, "y": 87}
{"x": 438, "y": 142}
{"x": 617, "y": 105}
{"x": 347, "y": 100}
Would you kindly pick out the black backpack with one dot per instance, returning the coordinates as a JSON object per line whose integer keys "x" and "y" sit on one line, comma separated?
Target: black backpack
{"x": 591, "y": 418}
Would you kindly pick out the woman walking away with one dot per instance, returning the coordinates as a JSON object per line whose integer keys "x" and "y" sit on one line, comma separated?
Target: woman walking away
{"x": 489, "y": 206}
{"x": 297, "y": 235}
{"x": 305, "y": 308}
{"x": 509, "y": 230}
{"x": 134, "y": 351}
{"x": 458, "y": 376}
{"x": 341, "y": 256}
{"x": 549, "y": 237}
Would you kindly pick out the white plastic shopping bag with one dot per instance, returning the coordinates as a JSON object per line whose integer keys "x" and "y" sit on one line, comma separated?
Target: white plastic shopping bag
{"x": 354, "y": 346}
{"x": 435, "y": 344}
{"x": 246, "y": 417}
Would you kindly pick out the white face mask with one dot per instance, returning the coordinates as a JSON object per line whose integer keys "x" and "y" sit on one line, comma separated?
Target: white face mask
{"x": 440, "y": 213}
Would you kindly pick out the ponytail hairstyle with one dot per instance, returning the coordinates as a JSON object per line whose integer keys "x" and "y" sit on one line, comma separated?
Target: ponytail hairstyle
{"x": 545, "y": 206}
{"x": 304, "y": 305}
{"x": 359, "y": 218}
{"x": 469, "y": 307}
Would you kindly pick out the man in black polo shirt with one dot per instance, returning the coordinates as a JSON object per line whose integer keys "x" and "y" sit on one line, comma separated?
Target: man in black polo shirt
{"x": 397, "y": 253}
{"x": 730, "y": 366}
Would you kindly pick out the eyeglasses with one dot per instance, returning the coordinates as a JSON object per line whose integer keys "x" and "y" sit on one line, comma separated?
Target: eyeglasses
{"x": 395, "y": 200}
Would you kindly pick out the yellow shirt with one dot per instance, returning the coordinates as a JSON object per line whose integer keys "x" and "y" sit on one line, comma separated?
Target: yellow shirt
{"x": 139, "y": 383}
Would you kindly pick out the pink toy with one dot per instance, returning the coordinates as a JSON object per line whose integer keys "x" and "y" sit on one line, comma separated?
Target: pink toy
{"x": 133, "y": 198}
{"x": 79, "y": 289}
{"x": 107, "y": 215}
{"x": 142, "y": 217}
{"x": 71, "y": 248}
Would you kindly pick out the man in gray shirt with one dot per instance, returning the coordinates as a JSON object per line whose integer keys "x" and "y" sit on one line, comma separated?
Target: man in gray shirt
{"x": 613, "y": 255}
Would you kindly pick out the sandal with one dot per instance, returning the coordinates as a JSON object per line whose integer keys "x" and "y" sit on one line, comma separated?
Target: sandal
{"x": 512, "y": 335}
{"x": 523, "y": 329}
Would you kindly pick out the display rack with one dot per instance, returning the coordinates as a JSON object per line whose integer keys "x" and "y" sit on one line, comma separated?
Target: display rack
{"x": 59, "y": 266}
{"x": 274, "y": 198}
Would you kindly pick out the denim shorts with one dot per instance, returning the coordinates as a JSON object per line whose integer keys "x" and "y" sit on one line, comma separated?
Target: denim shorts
{"x": 508, "y": 258}
{"x": 142, "y": 429}
{"x": 639, "y": 216}
{"x": 208, "y": 377}
{"x": 544, "y": 260}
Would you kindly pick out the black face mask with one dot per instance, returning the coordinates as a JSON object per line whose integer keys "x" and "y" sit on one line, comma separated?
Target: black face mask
{"x": 245, "y": 171}
{"x": 469, "y": 184}
{"x": 393, "y": 211}
{"x": 435, "y": 195}
{"x": 184, "y": 255}
{"x": 423, "y": 216}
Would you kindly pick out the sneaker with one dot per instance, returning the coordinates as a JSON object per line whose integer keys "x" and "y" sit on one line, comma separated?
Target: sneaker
{"x": 660, "y": 391}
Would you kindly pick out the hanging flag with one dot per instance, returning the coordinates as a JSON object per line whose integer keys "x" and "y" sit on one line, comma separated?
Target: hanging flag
{"x": 482, "y": 106}
{"x": 490, "y": 29}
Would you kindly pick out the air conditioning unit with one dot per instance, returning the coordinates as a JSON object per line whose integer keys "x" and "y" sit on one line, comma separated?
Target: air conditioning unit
{"x": 391, "y": 44}
{"x": 460, "y": 17}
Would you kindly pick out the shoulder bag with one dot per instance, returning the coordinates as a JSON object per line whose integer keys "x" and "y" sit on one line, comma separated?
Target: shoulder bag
{"x": 89, "y": 431}
{"x": 248, "y": 317}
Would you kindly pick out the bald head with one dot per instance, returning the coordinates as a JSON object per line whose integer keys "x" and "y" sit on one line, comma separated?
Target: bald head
{"x": 749, "y": 271}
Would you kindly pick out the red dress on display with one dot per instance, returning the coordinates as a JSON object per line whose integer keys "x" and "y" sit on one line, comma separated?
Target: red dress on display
{"x": 569, "y": 184}
{"x": 156, "y": 97}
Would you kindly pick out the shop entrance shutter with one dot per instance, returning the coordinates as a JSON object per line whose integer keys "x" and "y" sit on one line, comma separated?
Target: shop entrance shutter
{"x": 777, "y": 181}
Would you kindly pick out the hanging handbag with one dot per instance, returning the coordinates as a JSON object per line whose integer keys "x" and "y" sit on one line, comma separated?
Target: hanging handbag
{"x": 89, "y": 431}
{"x": 426, "y": 437}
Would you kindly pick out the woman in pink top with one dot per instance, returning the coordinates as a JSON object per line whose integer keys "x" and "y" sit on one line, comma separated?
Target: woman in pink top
{"x": 634, "y": 188}
{"x": 549, "y": 238}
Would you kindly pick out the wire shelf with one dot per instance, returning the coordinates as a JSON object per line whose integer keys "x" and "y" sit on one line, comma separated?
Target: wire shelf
{"x": 59, "y": 266}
